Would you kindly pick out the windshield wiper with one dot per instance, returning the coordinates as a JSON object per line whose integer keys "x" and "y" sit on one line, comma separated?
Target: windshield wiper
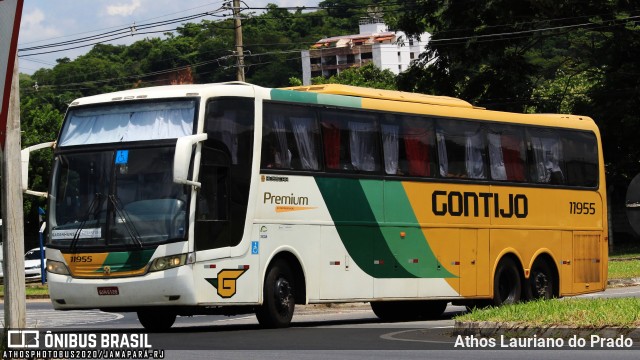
{"x": 94, "y": 206}
{"x": 124, "y": 216}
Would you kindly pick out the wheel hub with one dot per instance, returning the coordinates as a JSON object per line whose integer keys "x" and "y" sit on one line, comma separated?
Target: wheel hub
{"x": 541, "y": 283}
{"x": 283, "y": 294}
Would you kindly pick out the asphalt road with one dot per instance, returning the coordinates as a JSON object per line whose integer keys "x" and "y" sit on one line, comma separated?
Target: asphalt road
{"x": 317, "y": 332}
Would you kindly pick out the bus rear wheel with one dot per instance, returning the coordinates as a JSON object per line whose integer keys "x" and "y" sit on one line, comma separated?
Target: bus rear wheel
{"x": 541, "y": 284}
{"x": 279, "y": 302}
{"x": 507, "y": 285}
{"x": 156, "y": 320}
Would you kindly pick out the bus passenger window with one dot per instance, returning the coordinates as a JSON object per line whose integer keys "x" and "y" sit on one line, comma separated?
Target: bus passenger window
{"x": 507, "y": 154}
{"x": 548, "y": 161}
{"x": 461, "y": 150}
{"x": 290, "y": 138}
{"x": 581, "y": 158}
{"x": 408, "y": 145}
{"x": 350, "y": 141}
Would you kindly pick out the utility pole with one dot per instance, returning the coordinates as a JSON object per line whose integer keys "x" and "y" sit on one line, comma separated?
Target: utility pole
{"x": 15, "y": 307}
{"x": 15, "y": 311}
{"x": 238, "y": 27}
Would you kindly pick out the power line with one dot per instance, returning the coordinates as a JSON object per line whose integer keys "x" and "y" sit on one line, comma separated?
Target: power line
{"x": 112, "y": 35}
{"x": 123, "y": 25}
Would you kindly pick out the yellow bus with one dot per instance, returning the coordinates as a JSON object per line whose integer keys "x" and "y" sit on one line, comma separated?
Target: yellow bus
{"x": 233, "y": 198}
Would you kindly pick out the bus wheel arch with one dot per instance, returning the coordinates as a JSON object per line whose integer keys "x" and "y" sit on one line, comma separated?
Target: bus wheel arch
{"x": 284, "y": 286}
{"x": 507, "y": 281}
{"x": 544, "y": 279}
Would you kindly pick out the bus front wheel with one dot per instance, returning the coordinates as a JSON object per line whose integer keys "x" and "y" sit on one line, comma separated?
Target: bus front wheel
{"x": 507, "y": 285}
{"x": 156, "y": 320}
{"x": 278, "y": 305}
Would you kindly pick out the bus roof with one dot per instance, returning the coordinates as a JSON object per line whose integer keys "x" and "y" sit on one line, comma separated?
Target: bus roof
{"x": 413, "y": 103}
{"x": 338, "y": 89}
{"x": 165, "y": 91}
{"x": 375, "y": 99}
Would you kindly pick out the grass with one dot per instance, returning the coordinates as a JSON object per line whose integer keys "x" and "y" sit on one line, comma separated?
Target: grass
{"x": 571, "y": 312}
{"x": 625, "y": 260}
{"x": 32, "y": 289}
{"x": 624, "y": 269}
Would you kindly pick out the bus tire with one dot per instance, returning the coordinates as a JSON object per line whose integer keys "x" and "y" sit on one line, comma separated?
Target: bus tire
{"x": 541, "y": 283}
{"x": 408, "y": 310}
{"x": 159, "y": 320}
{"x": 507, "y": 284}
{"x": 279, "y": 302}
{"x": 431, "y": 309}
{"x": 388, "y": 310}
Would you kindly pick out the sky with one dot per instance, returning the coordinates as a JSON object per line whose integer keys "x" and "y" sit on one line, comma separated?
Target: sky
{"x": 50, "y": 21}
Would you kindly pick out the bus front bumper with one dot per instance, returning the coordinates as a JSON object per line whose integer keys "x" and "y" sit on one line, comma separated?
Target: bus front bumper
{"x": 163, "y": 288}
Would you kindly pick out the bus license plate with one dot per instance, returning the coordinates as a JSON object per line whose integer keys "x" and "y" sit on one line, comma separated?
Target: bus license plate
{"x": 108, "y": 290}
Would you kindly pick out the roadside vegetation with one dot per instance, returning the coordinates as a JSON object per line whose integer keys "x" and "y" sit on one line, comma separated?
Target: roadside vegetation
{"x": 624, "y": 269}
{"x": 571, "y": 312}
{"x": 32, "y": 290}
{"x": 624, "y": 261}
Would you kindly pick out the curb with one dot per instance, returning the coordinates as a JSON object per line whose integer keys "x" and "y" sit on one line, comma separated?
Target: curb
{"x": 623, "y": 282}
{"x": 496, "y": 329}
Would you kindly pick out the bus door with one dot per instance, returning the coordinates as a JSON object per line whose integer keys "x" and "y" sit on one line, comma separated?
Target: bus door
{"x": 212, "y": 223}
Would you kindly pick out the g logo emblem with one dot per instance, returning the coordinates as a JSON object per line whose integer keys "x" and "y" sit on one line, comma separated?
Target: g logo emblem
{"x": 107, "y": 270}
{"x": 226, "y": 281}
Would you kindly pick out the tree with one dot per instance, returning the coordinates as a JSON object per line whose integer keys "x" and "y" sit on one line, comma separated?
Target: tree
{"x": 495, "y": 53}
{"x": 40, "y": 121}
{"x": 366, "y": 76}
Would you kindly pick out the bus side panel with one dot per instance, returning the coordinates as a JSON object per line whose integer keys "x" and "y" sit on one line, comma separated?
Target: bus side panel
{"x": 226, "y": 280}
{"x": 340, "y": 277}
{"x": 526, "y": 245}
{"x": 474, "y": 258}
{"x": 301, "y": 241}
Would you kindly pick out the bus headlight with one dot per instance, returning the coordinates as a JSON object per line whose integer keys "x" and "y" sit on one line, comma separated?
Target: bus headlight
{"x": 57, "y": 267}
{"x": 171, "y": 261}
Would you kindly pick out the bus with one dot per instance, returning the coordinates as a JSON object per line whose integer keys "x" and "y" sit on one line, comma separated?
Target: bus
{"x": 232, "y": 198}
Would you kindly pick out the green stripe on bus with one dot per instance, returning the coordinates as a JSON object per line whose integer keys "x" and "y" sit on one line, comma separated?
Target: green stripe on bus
{"x": 127, "y": 260}
{"x": 378, "y": 250}
{"x": 315, "y": 98}
{"x": 337, "y": 100}
{"x": 294, "y": 96}
{"x": 413, "y": 251}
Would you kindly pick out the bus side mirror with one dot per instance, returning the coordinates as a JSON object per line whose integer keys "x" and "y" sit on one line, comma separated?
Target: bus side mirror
{"x": 182, "y": 158}
{"x": 24, "y": 159}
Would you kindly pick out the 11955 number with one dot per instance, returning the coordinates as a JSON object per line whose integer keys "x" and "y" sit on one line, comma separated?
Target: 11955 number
{"x": 582, "y": 208}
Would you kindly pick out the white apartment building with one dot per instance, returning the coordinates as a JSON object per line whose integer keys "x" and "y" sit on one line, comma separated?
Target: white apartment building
{"x": 374, "y": 43}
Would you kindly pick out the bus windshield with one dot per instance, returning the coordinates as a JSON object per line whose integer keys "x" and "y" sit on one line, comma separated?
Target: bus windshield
{"x": 116, "y": 198}
{"x": 122, "y": 122}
